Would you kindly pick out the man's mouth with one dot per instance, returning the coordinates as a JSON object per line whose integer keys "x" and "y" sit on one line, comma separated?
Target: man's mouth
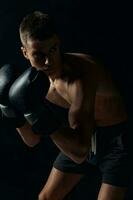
{"x": 45, "y": 68}
{"x": 48, "y": 69}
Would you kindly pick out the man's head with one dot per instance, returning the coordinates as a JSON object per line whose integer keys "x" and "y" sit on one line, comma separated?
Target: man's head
{"x": 41, "y": 45}
{"x": 36, "y": 26}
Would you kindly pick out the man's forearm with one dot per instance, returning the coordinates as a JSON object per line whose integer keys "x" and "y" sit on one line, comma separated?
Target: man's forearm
{"x": 28, "y": 136}
{"x": 71, "y": 143}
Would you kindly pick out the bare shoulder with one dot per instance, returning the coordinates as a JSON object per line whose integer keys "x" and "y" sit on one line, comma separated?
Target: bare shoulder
{"x": 80, "y": 65}
{"x": 90, "y": 66}
{"x": 82, "y": 56}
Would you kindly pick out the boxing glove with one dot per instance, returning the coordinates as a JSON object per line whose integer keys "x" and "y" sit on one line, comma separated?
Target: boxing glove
{"x": 28, "y": 95}
{"x": 8, "y": 74}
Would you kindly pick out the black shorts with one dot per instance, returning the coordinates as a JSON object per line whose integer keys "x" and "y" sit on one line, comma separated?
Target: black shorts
{"x": 110, "y": 155}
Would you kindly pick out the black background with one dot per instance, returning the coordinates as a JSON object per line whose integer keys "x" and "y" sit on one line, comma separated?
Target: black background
{"x": 101, "y": 29}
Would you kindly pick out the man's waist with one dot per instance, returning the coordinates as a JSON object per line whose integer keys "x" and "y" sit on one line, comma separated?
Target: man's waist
{"x": 109, "y": 121}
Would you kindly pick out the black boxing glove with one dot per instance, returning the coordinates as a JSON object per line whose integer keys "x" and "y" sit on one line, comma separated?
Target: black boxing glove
{"x": 8, "y": 74}
{"x": 28, "y": 95}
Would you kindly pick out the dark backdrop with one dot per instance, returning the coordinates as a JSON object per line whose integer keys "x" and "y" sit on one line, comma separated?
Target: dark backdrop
{"x": 101, "y": 29}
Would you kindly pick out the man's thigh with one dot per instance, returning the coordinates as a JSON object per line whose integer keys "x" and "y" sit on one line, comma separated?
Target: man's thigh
{"x": 112, "y": 155}
{"x": 110, "y": 192}
{"x": 59, "y": 184}
{"x": 114, "y": 164}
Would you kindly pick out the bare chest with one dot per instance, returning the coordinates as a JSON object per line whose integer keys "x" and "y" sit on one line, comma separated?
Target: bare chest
{"x": 58, "y": 95}
{"x": 61, "y": 88}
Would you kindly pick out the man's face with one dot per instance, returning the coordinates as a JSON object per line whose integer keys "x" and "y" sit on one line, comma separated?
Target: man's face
{"x": 44, "y": 55}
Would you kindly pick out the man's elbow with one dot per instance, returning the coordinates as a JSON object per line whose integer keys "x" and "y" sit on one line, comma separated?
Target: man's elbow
{"x": 79, "y": 160}
{"x": 32, "y": 143}
{"x": 80, "y": 156}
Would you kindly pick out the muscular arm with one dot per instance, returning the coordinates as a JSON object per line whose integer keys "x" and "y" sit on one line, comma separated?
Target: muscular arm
{"x": 28, "y": 136}
{"x": 75, "y": 141}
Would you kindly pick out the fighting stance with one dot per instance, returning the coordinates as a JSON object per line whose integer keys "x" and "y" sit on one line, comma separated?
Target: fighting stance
{"x": 74, "y": 100}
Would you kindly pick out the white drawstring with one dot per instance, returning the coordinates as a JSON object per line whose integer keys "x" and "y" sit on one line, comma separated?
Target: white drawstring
{"x": 93, "y": 143}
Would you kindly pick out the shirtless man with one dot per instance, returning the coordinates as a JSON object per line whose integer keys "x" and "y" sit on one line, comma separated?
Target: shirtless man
{"x": 97, "y": 120}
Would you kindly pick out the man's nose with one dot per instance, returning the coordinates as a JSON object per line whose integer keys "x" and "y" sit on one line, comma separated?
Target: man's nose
{"x": 46, "y": 61}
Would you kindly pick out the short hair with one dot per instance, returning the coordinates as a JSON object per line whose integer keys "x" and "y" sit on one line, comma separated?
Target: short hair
{"x": 37, "y": 25}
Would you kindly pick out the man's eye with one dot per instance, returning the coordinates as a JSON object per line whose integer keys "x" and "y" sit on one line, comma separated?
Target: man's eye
{"x": 39, "y": 56}
{"x": 53, "y": 50}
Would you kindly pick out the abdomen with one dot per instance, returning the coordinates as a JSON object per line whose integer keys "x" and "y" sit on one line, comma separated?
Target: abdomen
{"x": 109, "y": 109}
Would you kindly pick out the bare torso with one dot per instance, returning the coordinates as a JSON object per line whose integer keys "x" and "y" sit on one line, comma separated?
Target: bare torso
{"x": 109, "y": 106}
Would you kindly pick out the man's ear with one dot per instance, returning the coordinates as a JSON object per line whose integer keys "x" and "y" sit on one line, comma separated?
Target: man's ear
{"x": 58, "y": 40}
{"x": 24, "y": 52}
